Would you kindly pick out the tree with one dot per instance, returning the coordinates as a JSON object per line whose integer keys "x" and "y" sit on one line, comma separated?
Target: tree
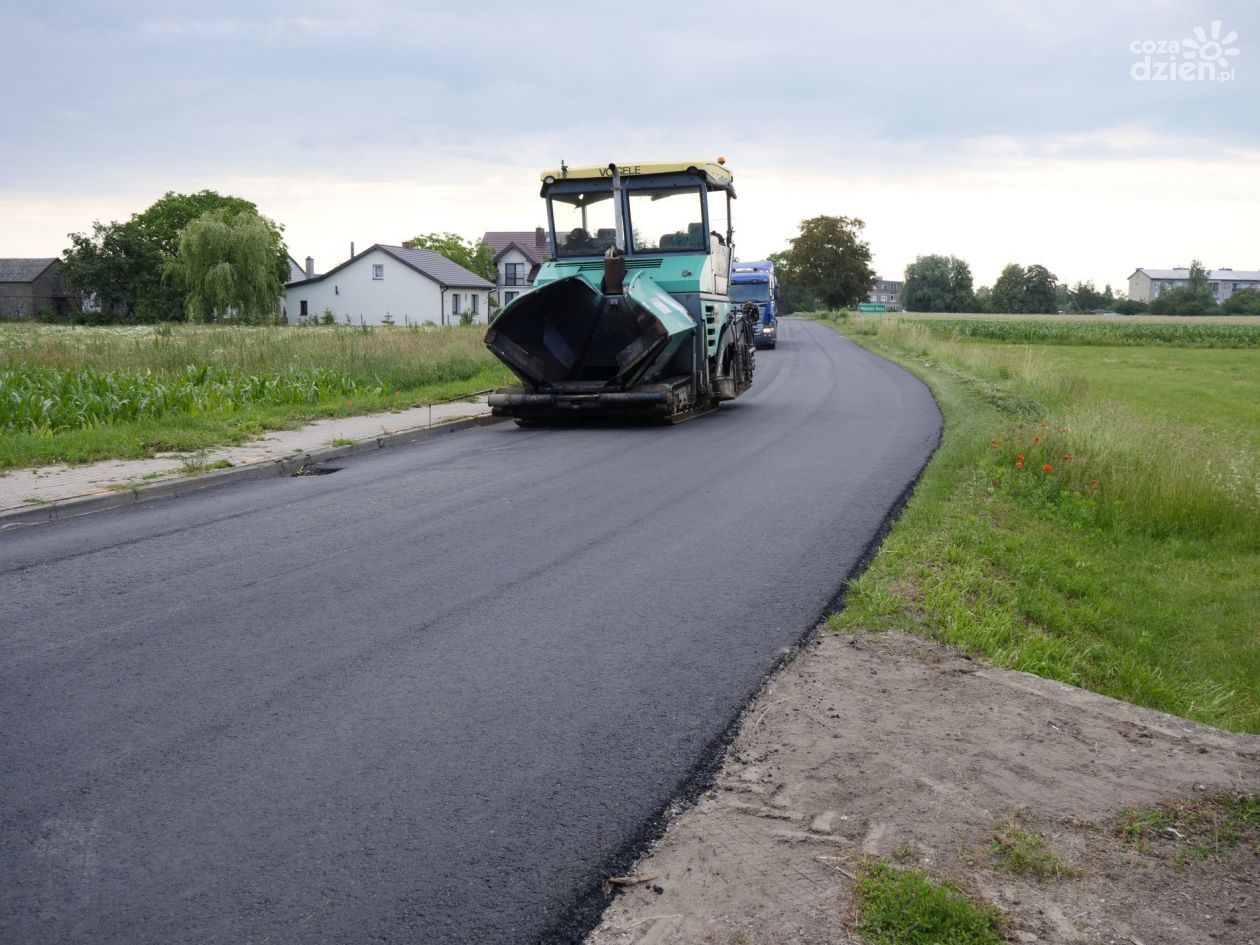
{"x": 984, "y": 297}
{"x": 936, "y": 283}
{"x": 829, "y": 260}
{"x": 475, "y": 256}
{"x": 1008, "y": 290}
{"x": 793, "y": 297}
{"x": 124, "y": 265}
{"x": 1242, "y": 302}
{"x": 225, "y": 267}
{"x": 1085, "y": 298}
{"x": 962, "y": 297}
{"x": 1039, "y": 290}
{"x": 1193, "y": 298}
{"x": 115, "y": 266}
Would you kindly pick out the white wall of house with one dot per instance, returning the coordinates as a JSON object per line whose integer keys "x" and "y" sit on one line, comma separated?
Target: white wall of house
{"x": 366, "y": 295}
{"x": 510, "y": 259}
{"x": 1140, "y": 286}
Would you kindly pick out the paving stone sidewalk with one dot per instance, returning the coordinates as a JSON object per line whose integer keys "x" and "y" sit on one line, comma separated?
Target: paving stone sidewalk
{"x": 27, "y": 488}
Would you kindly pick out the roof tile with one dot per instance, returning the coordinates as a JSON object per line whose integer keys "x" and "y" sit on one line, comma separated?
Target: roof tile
{"x": 24, "y": 270}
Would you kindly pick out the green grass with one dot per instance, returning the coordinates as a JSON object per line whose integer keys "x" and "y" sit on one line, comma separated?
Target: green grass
{"x": 1203, "y": 828}
{"x": 1129, "y": 568}
{"x": 903, "y": 907}
{"x": 76, "y": 395}
{"x": 1026, "y": 853}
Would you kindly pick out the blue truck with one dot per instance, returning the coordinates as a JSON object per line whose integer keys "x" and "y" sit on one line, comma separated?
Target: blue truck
{"x": 755, "y": 282}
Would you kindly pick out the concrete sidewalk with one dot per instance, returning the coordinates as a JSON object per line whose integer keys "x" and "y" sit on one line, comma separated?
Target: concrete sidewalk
{"x": 50, "y": 492}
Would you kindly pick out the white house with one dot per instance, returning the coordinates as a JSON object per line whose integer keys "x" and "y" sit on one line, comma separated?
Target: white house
{"x": 517, "y": 256}
{"x": 390, "y": 283}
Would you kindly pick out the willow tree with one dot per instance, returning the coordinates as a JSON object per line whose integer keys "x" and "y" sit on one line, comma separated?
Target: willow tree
{"x": 226, "y": 266}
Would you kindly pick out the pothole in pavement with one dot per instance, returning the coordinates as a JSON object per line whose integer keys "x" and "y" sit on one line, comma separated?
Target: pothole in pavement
{"x": 316, "y": 469}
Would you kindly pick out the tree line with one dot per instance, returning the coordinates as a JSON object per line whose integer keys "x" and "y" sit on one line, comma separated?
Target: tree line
{"x": 203, "y": 257}
{"x": 827, "y": 265}
{"x": 188, "y": 257}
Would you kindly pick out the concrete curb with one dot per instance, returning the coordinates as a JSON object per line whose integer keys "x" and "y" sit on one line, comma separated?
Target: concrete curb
{"x": 168, "y": 488}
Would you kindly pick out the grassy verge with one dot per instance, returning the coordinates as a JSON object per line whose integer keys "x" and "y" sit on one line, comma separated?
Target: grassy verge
{"x": 82, "y": 394}
{"x": 1092, "y": 515}
{"x": 904, "y": 907}
{"x": 1204, "y": 828}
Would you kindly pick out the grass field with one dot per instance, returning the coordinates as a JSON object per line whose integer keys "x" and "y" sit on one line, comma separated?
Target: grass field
{"x": 82, "y": 394}
{"x": 1093, "y": 514}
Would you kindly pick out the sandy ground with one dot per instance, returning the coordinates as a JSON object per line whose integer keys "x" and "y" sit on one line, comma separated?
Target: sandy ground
{"x": 893, "y": 746}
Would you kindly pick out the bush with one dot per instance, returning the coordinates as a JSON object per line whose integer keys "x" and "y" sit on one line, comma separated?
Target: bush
{"x": 1242, "y": 302}
{"x": 1183, "y": 300}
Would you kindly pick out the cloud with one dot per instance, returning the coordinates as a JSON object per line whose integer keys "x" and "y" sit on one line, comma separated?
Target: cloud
{"x": 452, "y": 110}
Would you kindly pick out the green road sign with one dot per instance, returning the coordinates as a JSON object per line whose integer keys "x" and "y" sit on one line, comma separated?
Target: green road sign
{"x": 872, "y": 307}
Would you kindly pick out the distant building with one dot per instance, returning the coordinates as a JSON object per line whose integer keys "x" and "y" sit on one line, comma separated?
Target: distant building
{"x": 1148, "y": 284}
{"x": 517, "y": 256}
{"x": 32, "y": 287}
{"x": 407, "y": 286}
{"x": 887, "y": 292}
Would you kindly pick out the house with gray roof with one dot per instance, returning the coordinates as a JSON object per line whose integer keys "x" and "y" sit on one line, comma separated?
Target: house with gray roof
{"x": 517, "y": 256}
{"x": 30, "y": 287}
{"x": 1147, "y": 284}
{"x": 389, "y": 284}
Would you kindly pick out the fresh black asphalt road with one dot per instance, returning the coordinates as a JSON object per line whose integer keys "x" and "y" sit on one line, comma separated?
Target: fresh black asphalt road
{"x": 432, "y": 697}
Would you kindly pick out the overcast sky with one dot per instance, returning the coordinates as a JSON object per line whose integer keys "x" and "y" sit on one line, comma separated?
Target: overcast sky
{"x": 996, "y": 131}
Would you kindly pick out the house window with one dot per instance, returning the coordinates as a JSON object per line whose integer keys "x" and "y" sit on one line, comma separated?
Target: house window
{"x": 302, "y": 313}
{"x": 378, "y": 270}
{"x": 509, "y": 296}
{"x": 475, "y": 300}
{"x": 513, "y": 273}
{"x": 454, "y": 308}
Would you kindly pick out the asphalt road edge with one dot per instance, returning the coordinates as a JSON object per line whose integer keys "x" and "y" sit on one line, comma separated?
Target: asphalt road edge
{"x": 61, "y": 509}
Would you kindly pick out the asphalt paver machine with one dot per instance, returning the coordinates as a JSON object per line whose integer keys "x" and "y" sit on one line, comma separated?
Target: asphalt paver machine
{"x": 631, "y": 316}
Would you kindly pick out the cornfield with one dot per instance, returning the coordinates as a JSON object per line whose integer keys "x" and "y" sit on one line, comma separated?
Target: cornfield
{"x": 50, "y": 400}
{"x": 1182, "y": 334}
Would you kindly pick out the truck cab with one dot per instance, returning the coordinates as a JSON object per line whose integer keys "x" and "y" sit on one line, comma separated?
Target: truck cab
{"x": 755, "y": 282}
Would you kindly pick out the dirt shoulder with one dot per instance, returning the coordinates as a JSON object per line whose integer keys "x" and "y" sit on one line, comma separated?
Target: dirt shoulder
{"x": 893, "y": 746}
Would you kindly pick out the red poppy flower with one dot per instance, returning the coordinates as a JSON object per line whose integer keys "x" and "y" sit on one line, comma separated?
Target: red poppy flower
{"x": 1036, "y": 439}
{"x": 1019, "y": 465}
{"x": 1047, "y": 468}
{"x": 1067, "y": 455}
{"x": 1020, "y": 456}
